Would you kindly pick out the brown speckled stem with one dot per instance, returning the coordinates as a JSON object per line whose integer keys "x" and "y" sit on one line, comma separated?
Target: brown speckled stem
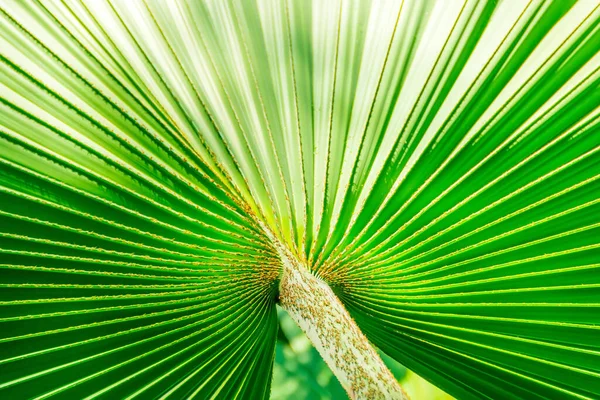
{"x": 333, "y": 332}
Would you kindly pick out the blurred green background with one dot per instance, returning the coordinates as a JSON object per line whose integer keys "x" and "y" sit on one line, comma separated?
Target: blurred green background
{"x": 300, "y": 372}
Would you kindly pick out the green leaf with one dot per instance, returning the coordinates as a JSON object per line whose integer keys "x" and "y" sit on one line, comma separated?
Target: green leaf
{"x": 435, "y": 162}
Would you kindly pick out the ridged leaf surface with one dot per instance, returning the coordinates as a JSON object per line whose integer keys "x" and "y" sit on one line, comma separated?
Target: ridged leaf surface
{"x": 435, "y": 162}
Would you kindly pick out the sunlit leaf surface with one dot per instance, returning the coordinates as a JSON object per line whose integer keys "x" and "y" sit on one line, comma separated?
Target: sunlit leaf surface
{"x": 436, "y": 162}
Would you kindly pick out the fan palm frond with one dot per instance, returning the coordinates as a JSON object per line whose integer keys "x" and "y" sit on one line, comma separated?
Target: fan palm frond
{"x": 434, "y": 164}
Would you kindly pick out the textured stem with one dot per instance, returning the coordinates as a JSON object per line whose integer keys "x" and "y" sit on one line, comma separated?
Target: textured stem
{"x": 333, "y": 332}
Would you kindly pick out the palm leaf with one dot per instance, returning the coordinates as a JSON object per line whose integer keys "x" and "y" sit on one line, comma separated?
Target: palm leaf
{"x": 435, "y": 163}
